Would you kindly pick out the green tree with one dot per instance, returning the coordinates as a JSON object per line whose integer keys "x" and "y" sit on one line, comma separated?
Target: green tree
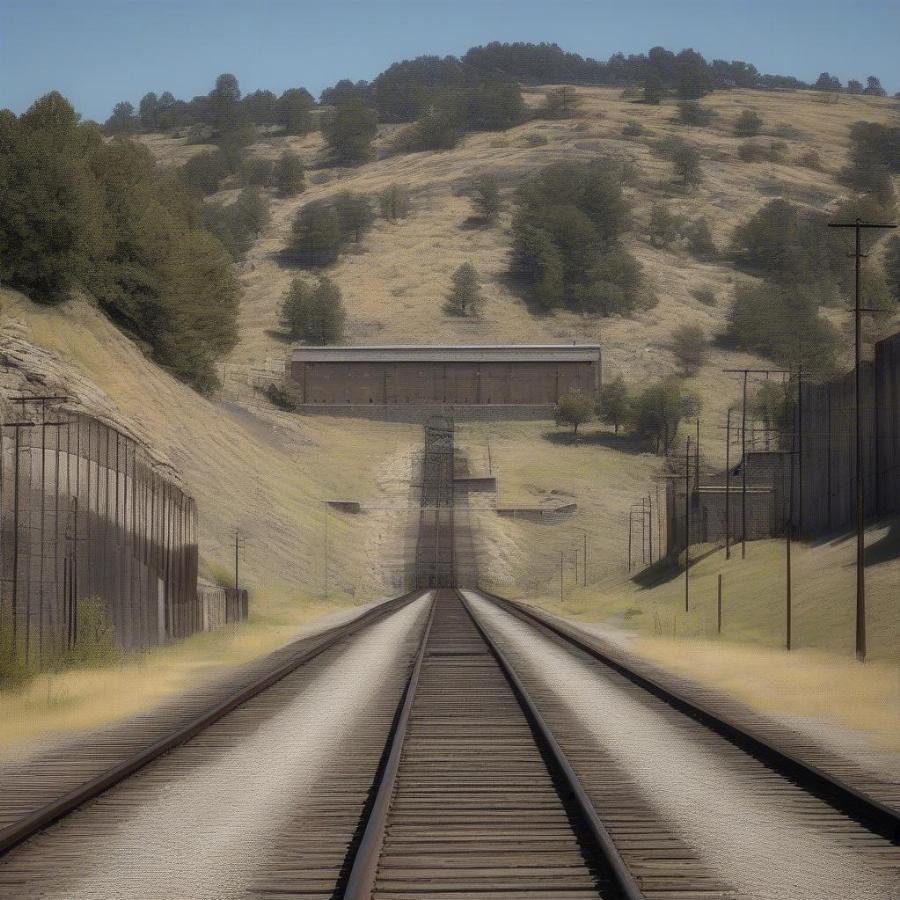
{"x": 260, "y": 107}
{"x": 486, "y": 197}
{"x": 289, "y": 175}
{"x": 148, "y": 111}
{"x": 615, "y": 403}
{"x": 258, "y": 172}
{"x": 394, "y": 202}
{"x": 293, "y": 110}
{"x": 700, "y": 239}
{"x": 314, "y": 313}
{"x": 658, "y": 410}
{"x": 355, "y": 214}
{"x": 686, "y": 162}
{"x": 654, "y": 89}
{"x": 748, "y": 123}
{"x": 465, "y": 298}
{"x": 349, "y": 131}
{"x": 574, "y": 408}
{"x": 122, "y": 120}
{"x": 206, "y": 171}
{"x": 316, "y": 237}
{"x": 537, "y": 262}
{"x": 50, "y": 202}
{"x": 690, "y": 347}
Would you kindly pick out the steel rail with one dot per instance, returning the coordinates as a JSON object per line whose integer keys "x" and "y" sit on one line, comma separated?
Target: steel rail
{"x": 364, "y": 871}
{"x": 873, "y": 814}
{"x": 361, "y": 880}
{"x": 626, "y": 881}
{"x": 29, "y": 825}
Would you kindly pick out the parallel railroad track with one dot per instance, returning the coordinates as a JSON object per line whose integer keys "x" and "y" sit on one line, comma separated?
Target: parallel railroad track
{"x": 70, "y": 778}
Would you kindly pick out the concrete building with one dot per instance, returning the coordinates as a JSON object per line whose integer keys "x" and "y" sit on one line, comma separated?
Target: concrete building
{"x": 459, "y": 379}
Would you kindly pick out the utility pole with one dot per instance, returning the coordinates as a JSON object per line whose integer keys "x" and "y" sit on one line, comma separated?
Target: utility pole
{"x": 561, "y": 576}
{"x": 687, "y": 525}
{"x": 745, "y": 373}
{"x": 325, "y": 507}
{"x": 650, "y": 525}
{"x": 858, "y": 225}
{"x": 630, "y": 528}
{"x": 728, "y": 483}
{"x": 237, "y": 544}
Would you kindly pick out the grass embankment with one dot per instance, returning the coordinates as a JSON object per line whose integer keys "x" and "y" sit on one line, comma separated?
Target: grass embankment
{"x": 820, "y": 678}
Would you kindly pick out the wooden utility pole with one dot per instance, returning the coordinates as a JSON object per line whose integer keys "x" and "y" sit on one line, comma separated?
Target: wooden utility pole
{"x": 858, "y": 225}
{"x": 687, "y": 526}
{"x": 728, "y": 483}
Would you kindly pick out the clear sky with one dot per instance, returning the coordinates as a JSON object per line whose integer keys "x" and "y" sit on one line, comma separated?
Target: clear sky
{"x": 98, "y": 52}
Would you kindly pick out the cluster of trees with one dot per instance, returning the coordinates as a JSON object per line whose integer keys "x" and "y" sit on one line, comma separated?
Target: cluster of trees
{"x": 803, "y": 265}
{"x": 323, "y": 229}
{"x": 237, "y": 225}
{"x": 566, "y": 239}
{"x": 686, "y": 72}
{"x": 668, "y": 228}
{"x": 314, "y": 311}
{"x": 828, "y": 82}
{"x": 292, "y": 110}
{"x": 874, "y": 157}
{"x": 78, "y": 212}
{"x": 653, "y": 413}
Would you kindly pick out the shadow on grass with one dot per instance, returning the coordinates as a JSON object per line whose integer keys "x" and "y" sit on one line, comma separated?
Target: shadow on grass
{"x": 627, "y": 443}
{"x": 885, "y": 548}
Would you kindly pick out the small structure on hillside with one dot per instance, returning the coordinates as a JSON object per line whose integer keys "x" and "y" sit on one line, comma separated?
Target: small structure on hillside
{"x": 522, "y": 379}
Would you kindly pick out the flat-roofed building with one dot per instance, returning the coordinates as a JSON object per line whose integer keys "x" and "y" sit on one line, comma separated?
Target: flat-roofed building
{"x": 525, "y": 376}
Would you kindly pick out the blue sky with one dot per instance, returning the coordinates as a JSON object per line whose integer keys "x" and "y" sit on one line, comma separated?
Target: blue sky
{"x": 97, "y": 52}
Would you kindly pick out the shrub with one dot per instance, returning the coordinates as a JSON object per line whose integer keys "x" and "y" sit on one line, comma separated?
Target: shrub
{"x": 664, "y": 226}
{"x": 439, "y": 129}
{"x": 615, "y": 403}
{"x": 685, "y": 159}
{"x": 314, "y": 313}
{"x": 632, "y": 129}
{"x": 206, "y": 171}
{"x": 810, "y": 159}
{"x": 96, "y": 644}
{"x": 290, "y": 175}
{"x": 279, "y": 397}
{"x": 465, "y": 297}
{"x": 355, "y": 215}
{"x": 258, "y": 172}
{"x": 316, "y": 238}
{"x": 700, "y": 239}
{"x": 486, "y": 198}
{"x": 575, "y": 408}
{"x": 690, "y": 348}
{"x": 706, "y": 296}
{"x": 748, "y": 123}
{"x": 394, "y": 202}
{"x": 534, "y": 139}
{"x": 559, "y": 103}
{"x": 238, "y": 224}
{"x": 690, "y": 112}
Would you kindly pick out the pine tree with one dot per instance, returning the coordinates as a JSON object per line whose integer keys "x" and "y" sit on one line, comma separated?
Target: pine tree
{"x": 486, "y": 198}
{"x": 349, "y": 131}
{"x": 394, "y": 202}
{"x": 465, "y": 297}
{"x": 314, "y": 313}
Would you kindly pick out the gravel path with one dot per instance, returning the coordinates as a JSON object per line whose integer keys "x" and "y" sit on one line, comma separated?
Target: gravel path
{"x": 198, "y": 823}
{"x": 704, "y": 787}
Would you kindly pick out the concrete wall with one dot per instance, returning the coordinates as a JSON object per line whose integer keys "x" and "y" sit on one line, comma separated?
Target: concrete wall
{"x": 458, "y": 384}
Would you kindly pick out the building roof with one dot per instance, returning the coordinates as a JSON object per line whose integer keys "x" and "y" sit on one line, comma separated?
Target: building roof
{"x": 450, "y": 353}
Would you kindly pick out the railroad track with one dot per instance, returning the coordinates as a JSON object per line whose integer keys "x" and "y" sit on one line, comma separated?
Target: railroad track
{"x": 63, "y": 784}
{"x": 475, "y": 798}
{"x": 461, "y": 772}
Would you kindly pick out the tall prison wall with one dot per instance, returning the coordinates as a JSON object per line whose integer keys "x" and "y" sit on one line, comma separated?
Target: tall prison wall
{"x": 85, "y": 513}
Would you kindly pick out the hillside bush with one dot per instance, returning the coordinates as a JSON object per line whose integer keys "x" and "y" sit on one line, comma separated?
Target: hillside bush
{"x": 632, "y": 129}
{"x": 206, "y": 171}
{"x": 699, "y": 238}
{"x": 394, "y": 202}
{"x": 486, "y": 198}
{"x": 258, "y": 172}
{"x": 748, "y": 124}
{"x": 657, "y": 411}
{"x": 322, "y": 230}
{"x": 690, "y": 112}
{"x": 289, "y": 175}
{"x": 706, "y": 296}
{"x": 665, "y": 226}
{"x": 349, "y": 131}
{"x": 690, "y": 347}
